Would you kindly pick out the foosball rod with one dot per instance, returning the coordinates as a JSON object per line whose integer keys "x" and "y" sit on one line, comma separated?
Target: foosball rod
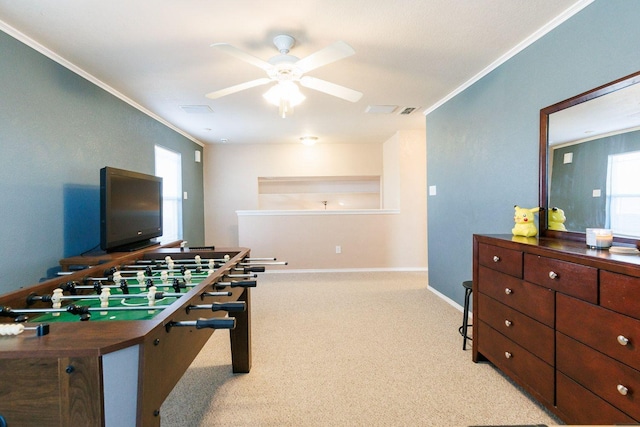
{"x": 215, "y": 323}
{"x": 237, "y": 284}
{"x": 138, "y": 286}
{"x": 220, "y": 306}
{"x": 18, "y": 328}
{"x": 157, "y": 270}
{"x": 241, "y": 276}
{"x": 31, "y": 299}
{"x": 215, "y": 294}
{"x": 249, "y": 264}
{"x": 182, "y": 261}
{"x": 252, "y": 269}
{"x": 74, "y": 309}
{"x": 202, "y": 275}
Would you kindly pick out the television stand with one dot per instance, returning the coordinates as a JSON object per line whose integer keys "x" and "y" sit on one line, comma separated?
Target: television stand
{"x": 89, "y": 260}
{"x": 135, "y": 246}
{"x": 96, "y": 258}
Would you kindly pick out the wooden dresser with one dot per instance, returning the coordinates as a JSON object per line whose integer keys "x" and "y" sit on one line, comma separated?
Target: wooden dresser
{"x": 563, "y": 321}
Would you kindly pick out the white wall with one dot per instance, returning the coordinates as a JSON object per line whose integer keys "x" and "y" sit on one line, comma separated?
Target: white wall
{"x": 307, "y": 240}
{"x": 394, "y": 239}
{"x": 391, "y": 173}
{"x": 408, "y": 242}
{"x": 231, "y": 176}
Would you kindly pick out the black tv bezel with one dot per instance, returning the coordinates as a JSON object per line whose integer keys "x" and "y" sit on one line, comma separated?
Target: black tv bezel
{"x": 132, "y": 242}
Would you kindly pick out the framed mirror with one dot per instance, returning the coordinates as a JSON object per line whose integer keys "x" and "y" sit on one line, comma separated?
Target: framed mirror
{"x": 590, "y": 162}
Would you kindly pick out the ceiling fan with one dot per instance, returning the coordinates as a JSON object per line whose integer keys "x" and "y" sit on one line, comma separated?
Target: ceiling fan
{"x": 285, "y": 70}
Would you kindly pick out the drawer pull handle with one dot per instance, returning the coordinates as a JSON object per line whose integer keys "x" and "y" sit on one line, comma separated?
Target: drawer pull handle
{"x": 553, "y": 275}
{"x": 509, "y": 356}
{"x": 507, "y": 291}
{"x": 622, "y": 390}
{"x": 496, "y": 258}
{"x": 507, "y": 323}
{"x": 622, "y": 340}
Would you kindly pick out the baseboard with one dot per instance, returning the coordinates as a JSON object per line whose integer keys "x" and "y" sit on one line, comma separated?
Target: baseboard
{"x": 448, "y": 300}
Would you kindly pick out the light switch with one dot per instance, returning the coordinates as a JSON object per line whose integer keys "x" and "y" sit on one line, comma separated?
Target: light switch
{"x": 568, "y": 158}
{"x": 432, "y": 190}
{"x": 596, "y": 192}
{"x": 185, "y": 195}
{"x": 197, "y": 156}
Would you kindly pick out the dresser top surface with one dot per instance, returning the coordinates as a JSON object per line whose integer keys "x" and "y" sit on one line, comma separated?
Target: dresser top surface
{"x": 567, "y": 250}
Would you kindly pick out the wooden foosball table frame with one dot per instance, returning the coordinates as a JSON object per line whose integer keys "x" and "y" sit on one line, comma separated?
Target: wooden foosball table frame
{"x": 112, "y": 373}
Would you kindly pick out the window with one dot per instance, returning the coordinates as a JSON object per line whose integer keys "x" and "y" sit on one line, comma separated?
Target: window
{"x": 169, "y": 167}
{"x": 623, "y": 194}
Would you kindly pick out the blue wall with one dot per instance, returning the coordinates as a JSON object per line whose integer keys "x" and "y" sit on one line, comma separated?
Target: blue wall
{"x": 56, "y": 131}
{"x": 482, "y": 145}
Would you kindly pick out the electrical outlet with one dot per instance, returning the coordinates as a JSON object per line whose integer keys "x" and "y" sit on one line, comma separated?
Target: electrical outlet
{"x": 338, "y": 249}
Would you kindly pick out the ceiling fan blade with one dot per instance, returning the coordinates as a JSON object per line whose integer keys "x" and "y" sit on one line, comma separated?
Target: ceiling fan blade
{"x": 331, "y": 88}
{"x": 237, "y": 88}
{"x": 240, "y": 54}
{"x": 329, "y": 54}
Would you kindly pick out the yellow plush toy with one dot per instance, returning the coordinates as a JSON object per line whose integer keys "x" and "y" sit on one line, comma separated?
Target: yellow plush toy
{"x": 525, "y": 222}
{"x": 557, "y": 219}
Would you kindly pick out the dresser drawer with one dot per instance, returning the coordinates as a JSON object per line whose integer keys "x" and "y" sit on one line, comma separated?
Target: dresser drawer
{"x": 532, "y": 300}
{"x": 580, "y": 406}
{"x": 523, "y": 330}
{"x": 602, "y": 329}
{"x": 599, "y": 373}
{"x": 620, "y": 293}
{"x": 508, "y": 261}
{"x": 524, "y": 367}
{"x": 580, "y": 281}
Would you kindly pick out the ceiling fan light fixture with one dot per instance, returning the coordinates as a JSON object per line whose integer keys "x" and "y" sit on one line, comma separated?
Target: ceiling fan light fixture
{"x": 308, "y": 139}
{"x": 288, "y": 91}
{"x": 284, "y": 95}
{"x": 286, "y": 70}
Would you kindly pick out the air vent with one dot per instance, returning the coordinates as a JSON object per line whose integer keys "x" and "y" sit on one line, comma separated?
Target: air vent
{"x": 196, "y": 109}
{"x": 381, "y": 109}
{"x": 407, "y": 110}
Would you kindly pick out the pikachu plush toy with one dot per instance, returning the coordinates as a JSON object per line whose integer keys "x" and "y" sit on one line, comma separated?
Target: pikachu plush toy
{"x": 525, "y": 222}
{"x": 557, "y": 219}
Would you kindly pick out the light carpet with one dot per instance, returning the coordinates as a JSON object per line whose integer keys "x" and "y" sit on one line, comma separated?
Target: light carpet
{"x": 348, "y": 349}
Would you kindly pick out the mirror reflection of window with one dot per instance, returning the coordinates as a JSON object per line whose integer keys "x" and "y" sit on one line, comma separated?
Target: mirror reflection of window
{"x": 623, "y": 194}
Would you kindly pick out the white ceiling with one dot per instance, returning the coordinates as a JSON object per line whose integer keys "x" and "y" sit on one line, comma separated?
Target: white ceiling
{"x": 156, "y": 54}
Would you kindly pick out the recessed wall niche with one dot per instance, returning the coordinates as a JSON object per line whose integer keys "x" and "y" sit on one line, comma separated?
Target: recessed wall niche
{"x": 319, "y": 193}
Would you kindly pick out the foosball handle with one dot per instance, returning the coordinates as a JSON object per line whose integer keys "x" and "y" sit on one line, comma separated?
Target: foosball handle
{"x": 260, "y": 269}
{"x": 244, "y": 284}
{"x": 229, "y": 306}
{"x": 7, "y": 312}
{"x": 69, "y": 287}
{"x": 238, "y": 284}
{"x": 32, "y": 298}
{"x": 41, "y": 330}
{"x": 215, "y": 323}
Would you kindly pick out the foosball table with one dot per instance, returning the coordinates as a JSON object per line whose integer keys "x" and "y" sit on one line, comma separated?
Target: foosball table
{"x": 107, "y": 344}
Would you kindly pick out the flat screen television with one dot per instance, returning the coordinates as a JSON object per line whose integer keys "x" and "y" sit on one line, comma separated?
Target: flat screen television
{"x": 130, "y": 209}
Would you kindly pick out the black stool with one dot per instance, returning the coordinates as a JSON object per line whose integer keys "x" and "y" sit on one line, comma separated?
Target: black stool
{"x": 468, "y": 288}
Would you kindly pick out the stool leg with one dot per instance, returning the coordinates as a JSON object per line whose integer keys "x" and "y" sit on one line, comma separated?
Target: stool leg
{"x": 465, "y": 319}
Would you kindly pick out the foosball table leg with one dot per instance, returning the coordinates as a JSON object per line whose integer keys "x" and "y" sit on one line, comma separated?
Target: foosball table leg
{"x": 241, "y": 337}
